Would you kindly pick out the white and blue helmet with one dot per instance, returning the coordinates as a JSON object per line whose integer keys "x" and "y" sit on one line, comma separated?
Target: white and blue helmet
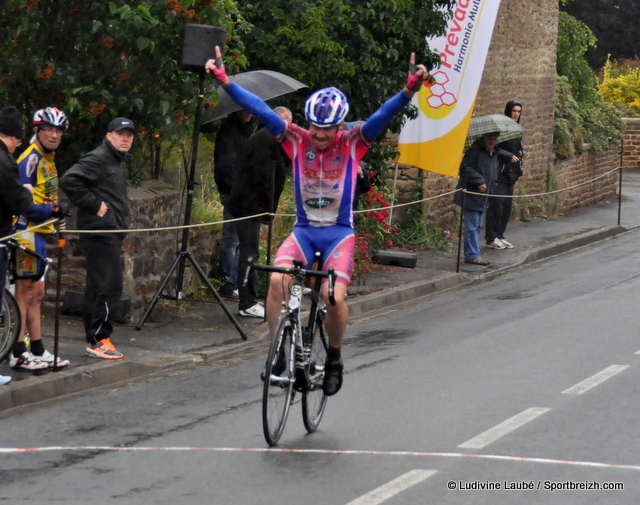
{"x": 50, "y": 116}
{"x": 326, "y": 107}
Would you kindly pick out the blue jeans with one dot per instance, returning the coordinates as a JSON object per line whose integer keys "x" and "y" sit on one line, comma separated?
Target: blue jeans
{"x": 228, "y": 252}
{"x": 472, "y": 230}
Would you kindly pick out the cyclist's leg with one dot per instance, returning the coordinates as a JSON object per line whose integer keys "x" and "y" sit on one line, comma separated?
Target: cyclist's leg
{"x": 29, "y": 288}
{"x": 339, "y": 256}
{"x": 293, "y": 248}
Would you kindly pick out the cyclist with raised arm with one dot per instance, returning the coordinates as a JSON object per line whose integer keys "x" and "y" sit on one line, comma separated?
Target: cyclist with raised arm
{"x": 325, "y": 162}
{"x": 37, "y": 170}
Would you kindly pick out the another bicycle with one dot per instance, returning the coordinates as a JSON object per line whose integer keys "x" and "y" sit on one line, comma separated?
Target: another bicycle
{"x": 10, "y": 318}
{"x": 297, "y": 354}
{"x": 10, "y": 324}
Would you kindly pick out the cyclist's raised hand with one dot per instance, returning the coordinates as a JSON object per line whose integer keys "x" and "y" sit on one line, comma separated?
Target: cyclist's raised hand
{"x": 216, "y": 69}
{"x": 417, "y": 74}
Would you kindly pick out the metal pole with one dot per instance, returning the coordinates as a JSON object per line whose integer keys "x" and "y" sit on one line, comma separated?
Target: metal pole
{"x": 460, "y": 231}
{"x": 191, "y": 184}
{"x": 620, "y": 182}
{"x": 272, "y": 199}
{"x": 393, "y": 193}
{"x": 56, "y": 335}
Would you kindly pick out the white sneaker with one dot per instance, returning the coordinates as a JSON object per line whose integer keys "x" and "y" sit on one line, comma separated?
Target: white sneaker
{"x": 27, "y": 361}
{"x": 507, "y": 245}
{"x": 47, "y": 358}
{"x": 4, "y": 379}
{"x": 256, "y": 311}
{"x": 496, "y": 244}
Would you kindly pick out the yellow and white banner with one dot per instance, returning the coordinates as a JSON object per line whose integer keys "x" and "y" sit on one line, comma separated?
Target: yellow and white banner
{"x": 434, "y": 141}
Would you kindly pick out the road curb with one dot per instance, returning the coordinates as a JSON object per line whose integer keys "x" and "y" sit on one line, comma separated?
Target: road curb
{"x": 397, "y": 295}
{"x": 573, "y": 243}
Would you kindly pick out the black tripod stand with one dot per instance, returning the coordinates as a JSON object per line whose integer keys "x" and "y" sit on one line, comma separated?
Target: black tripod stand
{"x": 184, "y": 254}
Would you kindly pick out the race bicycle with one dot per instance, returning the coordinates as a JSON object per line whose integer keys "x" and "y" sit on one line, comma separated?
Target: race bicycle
{"x": 297, "y": 353}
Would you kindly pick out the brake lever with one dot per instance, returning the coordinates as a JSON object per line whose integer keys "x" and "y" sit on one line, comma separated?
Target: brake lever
{"x": 332, "y": 279}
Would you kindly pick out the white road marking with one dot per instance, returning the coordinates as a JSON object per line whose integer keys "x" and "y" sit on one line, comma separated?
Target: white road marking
{"x": 503, "y": 428}
{"x": 594, "y": 380}
{"x": 336, "y": 452}
{"x": 392, "y": 488}
{"x": 637, "y": 352}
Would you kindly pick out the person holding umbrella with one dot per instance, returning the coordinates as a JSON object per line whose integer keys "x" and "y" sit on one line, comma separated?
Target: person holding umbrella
{"x": 324, "y": 161}
{"x": 478, "y": 172}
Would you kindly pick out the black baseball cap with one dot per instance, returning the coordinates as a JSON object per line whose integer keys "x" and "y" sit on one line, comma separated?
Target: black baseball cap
{"x": 121, "y": 123}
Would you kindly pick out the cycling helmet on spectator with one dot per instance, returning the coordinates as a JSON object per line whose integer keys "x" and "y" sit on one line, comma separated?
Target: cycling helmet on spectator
{"x": 326, "y": 108}
{"x": 50, "y": 116}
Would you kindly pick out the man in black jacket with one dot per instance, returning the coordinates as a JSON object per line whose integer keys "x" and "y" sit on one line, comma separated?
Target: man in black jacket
{"x": 97, "y": 184}
{"x": 478, "y": 172}
{"x": 252, "y": 193}
{"x": 14, "y": 197}
{"x": 231, "y": 142}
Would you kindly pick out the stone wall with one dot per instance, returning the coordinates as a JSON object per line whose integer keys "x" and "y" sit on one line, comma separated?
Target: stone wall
{"x": 148, "y": 255}
{"x": 631, "y": 152}
{"x": 588, "y": 166}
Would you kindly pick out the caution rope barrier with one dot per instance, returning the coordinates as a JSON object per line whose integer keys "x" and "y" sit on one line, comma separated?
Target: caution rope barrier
{"x": 361, "y": 211}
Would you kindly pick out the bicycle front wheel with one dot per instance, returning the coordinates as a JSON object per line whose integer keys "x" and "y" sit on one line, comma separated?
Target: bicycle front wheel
{"x": 279, "y": 378}
{"x": 10, "y": 323}
{"x": 314, "y": 400}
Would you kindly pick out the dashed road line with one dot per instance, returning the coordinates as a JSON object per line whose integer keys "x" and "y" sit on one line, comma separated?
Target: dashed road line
{"x": 594, "y": 380}
{"x": 392, "y": 488}
{"x": 503, "y": 428}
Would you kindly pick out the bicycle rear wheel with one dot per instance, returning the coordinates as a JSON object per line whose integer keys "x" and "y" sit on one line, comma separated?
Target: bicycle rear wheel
{"x": 313, "y": 399}
{"x": 10, "y": 323}
{"x": 278, "y": 381}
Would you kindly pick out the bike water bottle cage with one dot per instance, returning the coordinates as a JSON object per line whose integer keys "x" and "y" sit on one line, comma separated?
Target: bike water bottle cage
{"x": 326, "y": 108}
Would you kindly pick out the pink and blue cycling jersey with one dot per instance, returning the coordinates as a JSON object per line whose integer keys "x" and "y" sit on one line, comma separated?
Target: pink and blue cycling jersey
{"x": 324, "y": 180}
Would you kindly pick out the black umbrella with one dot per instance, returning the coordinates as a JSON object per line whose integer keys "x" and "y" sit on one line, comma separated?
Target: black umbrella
{"x": 267, "y": 84}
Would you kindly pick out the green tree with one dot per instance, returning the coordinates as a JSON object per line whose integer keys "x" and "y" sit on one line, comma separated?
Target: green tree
{"x": 581, "y": 113}
{"x": 97, "y": 60}
{"x": 574, "y": 39}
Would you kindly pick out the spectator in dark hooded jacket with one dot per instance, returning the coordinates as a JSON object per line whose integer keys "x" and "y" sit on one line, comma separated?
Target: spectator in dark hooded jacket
{"x": 499, "y": 210}
{"x": 231, "y": 142}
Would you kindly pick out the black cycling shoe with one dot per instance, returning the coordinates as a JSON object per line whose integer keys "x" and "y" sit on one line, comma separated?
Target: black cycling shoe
{"x": 332, "y": 376}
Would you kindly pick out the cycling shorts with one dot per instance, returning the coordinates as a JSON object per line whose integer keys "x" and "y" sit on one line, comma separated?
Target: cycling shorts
{"x": 27, "y": 266}
{"x": 335, "y": 243}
